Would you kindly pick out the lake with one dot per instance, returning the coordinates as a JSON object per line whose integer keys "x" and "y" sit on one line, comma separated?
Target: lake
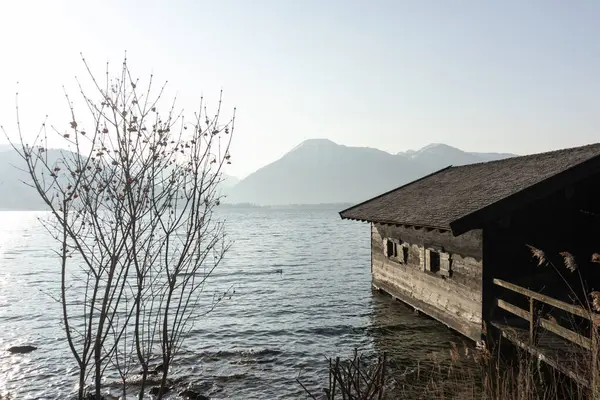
{"x": 277, "y": 325}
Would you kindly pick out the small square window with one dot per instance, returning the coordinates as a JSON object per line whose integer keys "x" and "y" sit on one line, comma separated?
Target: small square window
{"x": 434, "y": 261}
{"x": 391, "y": 250}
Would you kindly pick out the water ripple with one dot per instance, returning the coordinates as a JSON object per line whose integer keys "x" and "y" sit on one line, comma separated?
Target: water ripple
{"x": 302, "y": 292}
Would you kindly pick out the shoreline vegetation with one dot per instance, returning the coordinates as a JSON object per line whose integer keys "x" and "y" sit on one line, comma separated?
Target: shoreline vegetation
{"x": 471, "y": 373}
{"x": 506, "y": 373}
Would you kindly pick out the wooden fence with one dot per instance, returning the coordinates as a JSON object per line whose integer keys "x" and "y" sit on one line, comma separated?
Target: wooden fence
{"x": 536, "y": 321}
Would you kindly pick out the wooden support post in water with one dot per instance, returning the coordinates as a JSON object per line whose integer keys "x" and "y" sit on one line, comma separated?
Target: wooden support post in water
{"x": 532, "y": 322}
{"x": 595, "y": 348}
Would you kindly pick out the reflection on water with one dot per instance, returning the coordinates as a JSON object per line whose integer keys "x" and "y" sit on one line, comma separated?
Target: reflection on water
{"x": 253, "y": 346}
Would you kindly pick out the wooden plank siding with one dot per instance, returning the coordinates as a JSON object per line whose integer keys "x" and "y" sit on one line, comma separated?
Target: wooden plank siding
{"x": 454, "y": 300}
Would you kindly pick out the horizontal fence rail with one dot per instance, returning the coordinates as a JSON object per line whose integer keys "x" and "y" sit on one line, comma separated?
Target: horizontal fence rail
{"x": 590, "y": 343}
{"x": 571, "y": 308}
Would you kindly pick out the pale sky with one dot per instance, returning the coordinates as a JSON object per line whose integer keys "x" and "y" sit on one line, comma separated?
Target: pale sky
{"x": 505, "y": 76}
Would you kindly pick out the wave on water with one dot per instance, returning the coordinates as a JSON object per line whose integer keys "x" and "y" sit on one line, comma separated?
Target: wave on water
{"x": 296, "y": 302}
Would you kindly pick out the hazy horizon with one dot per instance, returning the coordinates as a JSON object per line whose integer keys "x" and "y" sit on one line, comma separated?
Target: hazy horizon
{"x": 6, "y": 146}
{"x": 507, "y": 77}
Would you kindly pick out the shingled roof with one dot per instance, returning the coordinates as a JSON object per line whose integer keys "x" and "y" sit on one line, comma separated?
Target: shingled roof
{"x": 458, "y": 198}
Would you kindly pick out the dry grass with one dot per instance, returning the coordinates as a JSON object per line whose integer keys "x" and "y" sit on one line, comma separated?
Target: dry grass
{"x": 470, "y": 374}
{"x": 538, "y": 255}
{"x": 595, "y": 295}
{"x": 483, "y": 375}
{"x": 569, "y": 261}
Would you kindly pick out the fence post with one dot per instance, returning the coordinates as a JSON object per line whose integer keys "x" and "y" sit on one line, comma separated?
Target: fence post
{"x": 595, "y": 378}
{"x": 532, "y": 322}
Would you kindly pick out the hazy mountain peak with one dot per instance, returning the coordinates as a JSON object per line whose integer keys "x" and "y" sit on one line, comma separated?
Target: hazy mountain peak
{"x": 321, "y": 171}
{"x": 319, "y": 142}
{"x": 437, "y": 147}
{"x": 431, "y": 148}
{"x": 315, "y": 143}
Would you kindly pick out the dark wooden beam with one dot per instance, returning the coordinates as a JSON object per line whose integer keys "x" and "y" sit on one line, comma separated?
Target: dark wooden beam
{"x": 566, "y": 333}
{"x": 573, "y": 309}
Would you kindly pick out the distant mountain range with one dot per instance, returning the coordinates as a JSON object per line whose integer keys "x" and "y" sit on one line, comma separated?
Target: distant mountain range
{"x": 316, "y": 172}
{"x": 16, "y": 194}
{"x": 321, "y": 171}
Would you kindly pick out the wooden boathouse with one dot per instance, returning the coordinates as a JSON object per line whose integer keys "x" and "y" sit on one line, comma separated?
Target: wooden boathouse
{"x": 457, "y": 245}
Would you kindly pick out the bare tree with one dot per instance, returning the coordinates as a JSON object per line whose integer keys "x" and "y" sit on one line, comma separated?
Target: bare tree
{"x": 353, "y": 379}
{"x": 132, "y": 197}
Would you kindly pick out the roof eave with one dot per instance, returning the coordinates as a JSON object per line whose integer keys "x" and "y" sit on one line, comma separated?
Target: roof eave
{"x": 396, "y": 223}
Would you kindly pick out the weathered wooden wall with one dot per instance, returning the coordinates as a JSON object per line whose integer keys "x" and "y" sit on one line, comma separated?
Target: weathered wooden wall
{"x": 453, "y": 294}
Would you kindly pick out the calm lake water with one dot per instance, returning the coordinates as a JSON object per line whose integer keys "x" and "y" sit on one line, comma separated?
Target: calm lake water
{"x": 253, "y": 345}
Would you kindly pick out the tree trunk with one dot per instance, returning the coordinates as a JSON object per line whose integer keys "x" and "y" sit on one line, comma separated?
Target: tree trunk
{"x": 81, "y": 383}
{"x": 143, "y": 384}
{"x": 138, "y": 344}
{"x": 98, "y": 369}
{"x": 166, "y": 344}
{"x": 100, "y": 332}
{"x": 163, "y": 383}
